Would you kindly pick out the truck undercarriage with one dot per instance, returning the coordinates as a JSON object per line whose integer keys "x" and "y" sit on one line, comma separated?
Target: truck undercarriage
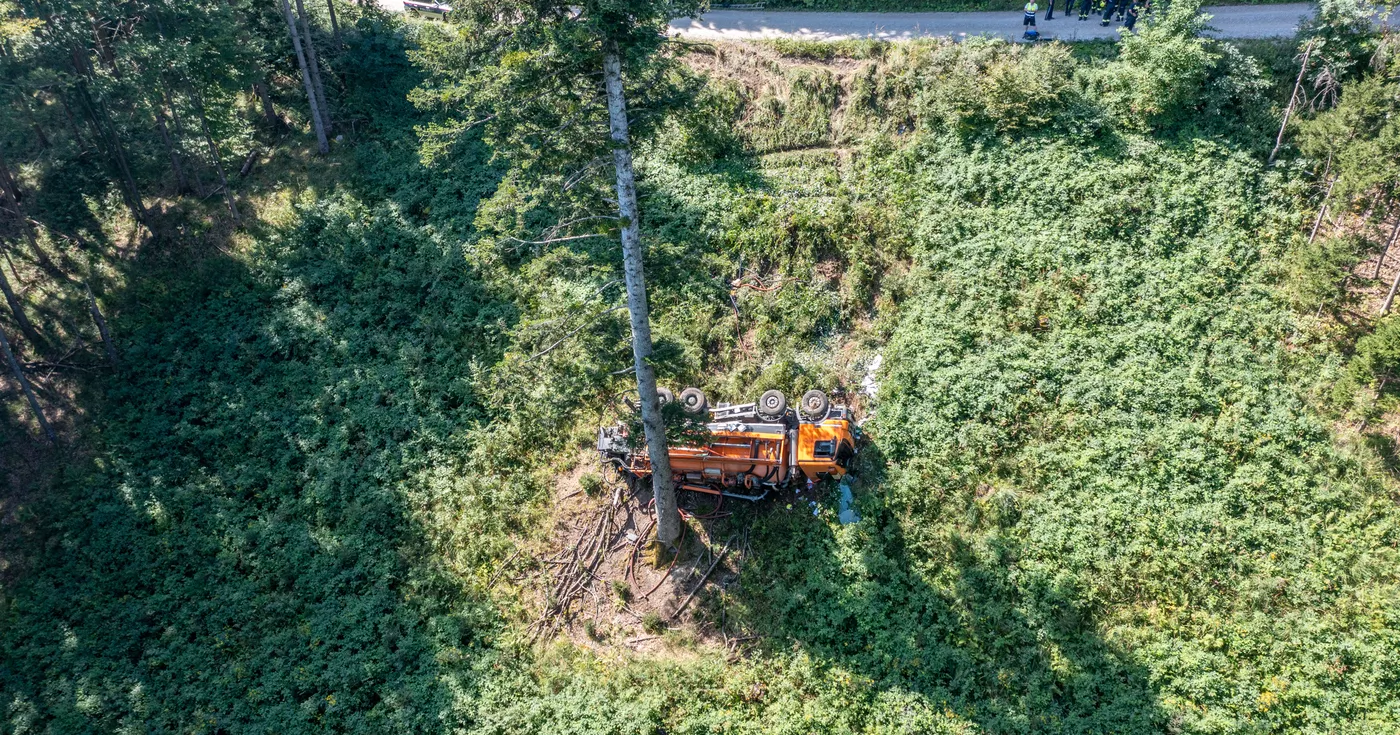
{"x": 750, "y": 449}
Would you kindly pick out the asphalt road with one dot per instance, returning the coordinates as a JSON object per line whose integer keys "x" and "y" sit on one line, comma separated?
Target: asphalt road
{"x": 1230, "y": 21}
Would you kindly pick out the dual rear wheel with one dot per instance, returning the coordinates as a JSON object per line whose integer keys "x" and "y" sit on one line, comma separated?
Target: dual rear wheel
{"x": 692, "y": 399}
{"x": 814, "y": 405}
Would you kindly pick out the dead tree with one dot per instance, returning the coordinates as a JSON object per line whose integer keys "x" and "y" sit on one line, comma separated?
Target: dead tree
{"x": 24, "y": 386}
{"x": 181, "y": 183}
{"x": 107, "y": 344}
{"x": 317, "y": 123}
{"x": 1385, "y": 249}
{"x": 1292, "y": 102}
{"x": 214, "y": 154}
{"x": 269, "y": 112}
{"x": 335, "y": 25}
{"x": 314, "y": 64}
{"x": 1322, "y": 211}
{"x": 17, "y": 309}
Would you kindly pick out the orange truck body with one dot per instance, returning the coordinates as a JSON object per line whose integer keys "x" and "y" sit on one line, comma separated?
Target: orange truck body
{"x": 748, "y": 454}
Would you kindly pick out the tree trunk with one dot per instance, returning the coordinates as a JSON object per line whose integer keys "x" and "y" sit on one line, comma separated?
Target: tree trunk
{"x": 180, "y": 133}
{"x": 17, "y": 309}
{"x": 1386, "y": 248}
{"x": 9, "y": 201}
{"x": 335, "y": 24}
{"x": 1322, "y": 211}
{"x": 103, "y": 131}
{"x": 181, "y": 182}
{"x": 107, "y": 344}
{"x": 106, "y": 132}
{"x": 1390, "y": 297}
{"x": 668, "y": 520}
{"x": 316, "y": 123}
{"x": 24, "y": 386}
{"x": 314, "y": 64}
{"x": 72, "y": 122}
{"x": 7, "y": 180}
{"x": 214, "y": 154}
{"x": 269, "y": 112}
{"x": 1292, "y": 100}
{"x": 28, "y": 110}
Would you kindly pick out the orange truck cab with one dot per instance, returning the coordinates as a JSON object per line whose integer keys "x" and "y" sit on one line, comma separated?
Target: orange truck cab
{"x": 752, "y": 448}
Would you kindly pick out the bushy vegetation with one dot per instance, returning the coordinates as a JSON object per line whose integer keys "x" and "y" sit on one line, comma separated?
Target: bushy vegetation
{"x": 1106, "y": 485}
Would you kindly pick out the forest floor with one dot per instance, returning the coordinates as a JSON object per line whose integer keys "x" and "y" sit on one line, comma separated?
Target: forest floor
{"x": 599, "y": 580}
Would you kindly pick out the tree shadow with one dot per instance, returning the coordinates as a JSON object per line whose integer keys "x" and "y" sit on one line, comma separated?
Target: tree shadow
{"x": 244, "y": 548}
{"x": 952, "y": 619}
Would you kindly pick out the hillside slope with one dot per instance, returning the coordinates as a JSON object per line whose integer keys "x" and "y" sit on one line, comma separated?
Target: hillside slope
{"x": 1105, "y": 485}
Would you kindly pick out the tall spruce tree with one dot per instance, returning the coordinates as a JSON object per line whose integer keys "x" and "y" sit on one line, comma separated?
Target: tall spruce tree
{"x": 563, "y": 90}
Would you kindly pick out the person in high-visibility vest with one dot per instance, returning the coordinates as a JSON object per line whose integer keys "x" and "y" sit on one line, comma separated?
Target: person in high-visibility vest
{"x": 1108, "y": 12}
{"x": 1084, "y": 9}
{"x": 1031, "y": 9}
{"x": 1132, "y": 17}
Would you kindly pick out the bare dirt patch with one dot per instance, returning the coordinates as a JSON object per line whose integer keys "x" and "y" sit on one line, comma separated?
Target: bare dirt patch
{"x": 604, "y": 584}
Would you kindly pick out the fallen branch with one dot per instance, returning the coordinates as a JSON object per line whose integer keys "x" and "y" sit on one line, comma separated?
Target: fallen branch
{"x": 706, "y": 576}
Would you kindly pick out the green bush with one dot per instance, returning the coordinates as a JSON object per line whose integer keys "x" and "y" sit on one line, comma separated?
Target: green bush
{"x": 1377, "y": 358}
{"x": 652, "y": 623}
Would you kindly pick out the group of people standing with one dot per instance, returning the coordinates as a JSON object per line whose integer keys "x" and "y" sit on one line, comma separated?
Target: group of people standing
{"x": 1127, "y": 11}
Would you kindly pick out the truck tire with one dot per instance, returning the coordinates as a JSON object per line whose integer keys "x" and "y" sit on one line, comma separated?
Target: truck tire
{"x": 772, "y": 403}
{"x": 693, "y": 401}
{"x": 815, "y": 405}
{"x": 665, "y": 396}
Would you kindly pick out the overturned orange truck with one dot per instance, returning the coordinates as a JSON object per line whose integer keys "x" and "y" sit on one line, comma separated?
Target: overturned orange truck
{"x": 752, "y": 448}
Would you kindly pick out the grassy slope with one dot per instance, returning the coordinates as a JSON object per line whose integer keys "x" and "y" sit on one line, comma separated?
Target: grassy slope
{"x": 1094, "y": 499}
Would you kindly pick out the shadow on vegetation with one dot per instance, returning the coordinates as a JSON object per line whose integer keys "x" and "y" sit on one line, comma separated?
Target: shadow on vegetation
{"x": 240, "y": 553}
{"x": 954, "y": 622}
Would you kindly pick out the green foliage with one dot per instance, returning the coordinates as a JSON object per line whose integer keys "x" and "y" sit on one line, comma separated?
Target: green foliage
{"x": 995, "y": 88}
{"x": 1095, "y": 497}
{"x": 652, "y": 623}
{"x": 245, "y": 552}
{"x": 1317, "y": 272}
{"x": 1169, "y": 79}
{"x": 893, "y": 6}
{"x": 1360, "y": 137}
{"x": 797, "y": 116}
{"x": 1377, "y": 358}
{"x": 858, "y": 48}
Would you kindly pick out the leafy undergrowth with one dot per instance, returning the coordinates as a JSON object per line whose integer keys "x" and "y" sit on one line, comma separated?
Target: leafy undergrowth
{"x": 1104, "y": 505}
{"x": 1095, "y": 496}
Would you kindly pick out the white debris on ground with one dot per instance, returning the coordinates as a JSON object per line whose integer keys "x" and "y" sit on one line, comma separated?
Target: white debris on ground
{"x": 869, "y": 386}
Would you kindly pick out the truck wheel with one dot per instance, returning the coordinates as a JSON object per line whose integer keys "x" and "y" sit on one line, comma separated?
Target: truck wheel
{"x": 693, "y": 400}
{"x": 665, "y": 396}
{"x": 815, "y": 405}
{"x": 772, "y": 403}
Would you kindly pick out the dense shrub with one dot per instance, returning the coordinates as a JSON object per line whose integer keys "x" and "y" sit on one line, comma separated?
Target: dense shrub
{"x": 1377, "y": 358}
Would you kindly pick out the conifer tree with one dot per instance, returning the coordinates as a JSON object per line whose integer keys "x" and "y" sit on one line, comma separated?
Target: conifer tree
{"x": 558, "y": 86}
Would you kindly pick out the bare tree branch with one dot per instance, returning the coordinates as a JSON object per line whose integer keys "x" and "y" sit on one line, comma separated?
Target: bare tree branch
{"x": 572, "y": 332}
